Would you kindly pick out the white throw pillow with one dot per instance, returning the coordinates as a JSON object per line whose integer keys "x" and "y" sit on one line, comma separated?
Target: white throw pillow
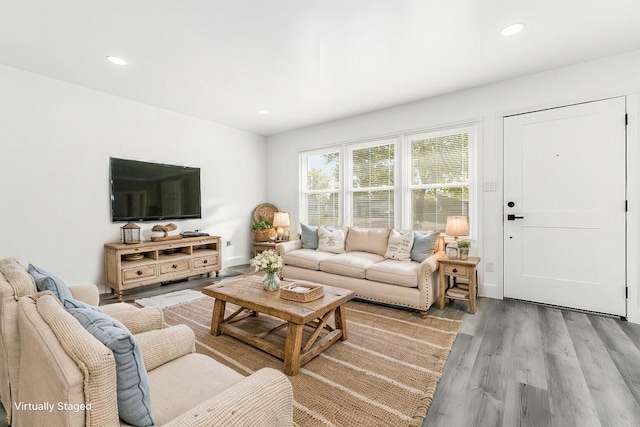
{"x": 399, "y": 246}
{"x": 331, "y": 240}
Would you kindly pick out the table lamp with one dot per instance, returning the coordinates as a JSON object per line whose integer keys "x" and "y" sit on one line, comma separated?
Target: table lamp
{"x": 281, "y": 222}
{"x": 457, "y": 226}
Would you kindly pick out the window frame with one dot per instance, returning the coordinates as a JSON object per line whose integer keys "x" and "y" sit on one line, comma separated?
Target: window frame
{"x": 402, "y": 173}
{"x": 349, "y": 189}
{"x": 471, "y": 130}
{"x": 304, "y": 192}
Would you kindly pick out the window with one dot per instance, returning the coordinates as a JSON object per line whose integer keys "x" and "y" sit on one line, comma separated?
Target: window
{"x": 409, "y": 181}
{"x": 321, "y": 188}
{"x": 439, "y": 184}
{"x": 372, "y": 192}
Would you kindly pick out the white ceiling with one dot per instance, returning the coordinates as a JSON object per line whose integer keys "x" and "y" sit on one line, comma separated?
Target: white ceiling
{"x": 305, "y": 61}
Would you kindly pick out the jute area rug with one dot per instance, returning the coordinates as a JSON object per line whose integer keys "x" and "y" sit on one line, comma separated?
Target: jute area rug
{"x": 385, "y": 374}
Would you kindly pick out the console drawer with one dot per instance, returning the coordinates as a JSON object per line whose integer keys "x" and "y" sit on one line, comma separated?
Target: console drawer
{"x": 138, "y": 273}
{"x": 174, "y": 267}
{"x": 205, "y": 262}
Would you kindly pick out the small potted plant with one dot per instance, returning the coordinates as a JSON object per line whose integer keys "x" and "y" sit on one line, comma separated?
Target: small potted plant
{"x": 463, "y": 247}
{"x": 262, "y": 229}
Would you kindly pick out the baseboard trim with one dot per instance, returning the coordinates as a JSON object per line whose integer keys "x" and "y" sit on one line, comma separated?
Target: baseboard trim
{"x": 233, "y": 261}
{"x": 489, "y": 290}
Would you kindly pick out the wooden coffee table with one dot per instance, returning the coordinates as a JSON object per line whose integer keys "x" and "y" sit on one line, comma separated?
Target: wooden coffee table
{"x": 300, "y": 319}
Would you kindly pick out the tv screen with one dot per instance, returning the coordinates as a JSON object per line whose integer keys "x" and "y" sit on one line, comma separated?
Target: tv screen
{"x": 142, "y": 191}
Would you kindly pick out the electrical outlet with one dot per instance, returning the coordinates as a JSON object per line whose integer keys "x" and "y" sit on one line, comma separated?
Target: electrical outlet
{"x": 228, "y": 242}
{"x": 488, "y": 267}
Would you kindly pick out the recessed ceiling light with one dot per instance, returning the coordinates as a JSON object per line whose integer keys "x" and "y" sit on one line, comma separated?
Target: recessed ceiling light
{"x": 116, "y": 60}
{"x": 263, "y": 112}
{"x": 512, "y": 29}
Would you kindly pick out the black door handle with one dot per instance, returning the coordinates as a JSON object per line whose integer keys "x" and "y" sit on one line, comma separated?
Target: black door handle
{"x": 512, "y": 217}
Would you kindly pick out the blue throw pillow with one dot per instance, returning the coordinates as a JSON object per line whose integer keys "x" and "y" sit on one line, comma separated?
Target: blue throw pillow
{"x": 74, "y": 303}
{"x": 46, "y": 281}
{"x": 309, "y": 236}
{"x": 134, "y": 402}
{"x": 423, "y": 245}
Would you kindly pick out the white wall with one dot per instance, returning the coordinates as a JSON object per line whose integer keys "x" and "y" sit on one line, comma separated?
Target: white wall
{"x": 55, "y": 143}
{"x": 609, "y": 77}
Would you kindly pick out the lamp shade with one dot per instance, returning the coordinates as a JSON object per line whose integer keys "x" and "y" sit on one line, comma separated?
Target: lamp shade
{"x": 281, "y": 222}
{"x": 281, "y": 219}
{"x": 457, "y": 226}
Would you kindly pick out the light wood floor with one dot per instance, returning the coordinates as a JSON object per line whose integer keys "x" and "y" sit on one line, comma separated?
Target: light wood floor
{"x": 520, "y": 364}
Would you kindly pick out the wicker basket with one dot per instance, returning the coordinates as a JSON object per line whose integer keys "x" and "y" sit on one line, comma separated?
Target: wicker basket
{"x": 312, "y": 292}
{"x": 265, "y": 210}
{"x": 263, "y": 235}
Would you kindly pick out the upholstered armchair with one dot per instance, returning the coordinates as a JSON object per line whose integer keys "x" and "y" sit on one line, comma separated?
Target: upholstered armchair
{"x": 16, "y": 282}
{"x": 63, "y": 363}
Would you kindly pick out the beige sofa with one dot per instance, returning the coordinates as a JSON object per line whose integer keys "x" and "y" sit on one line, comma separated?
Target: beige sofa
{"x": 16, "y": 282}
{"x": 68, "y": 367}
{"x": 364, "y": 267}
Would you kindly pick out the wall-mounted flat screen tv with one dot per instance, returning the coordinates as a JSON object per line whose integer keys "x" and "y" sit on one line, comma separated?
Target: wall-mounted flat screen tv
{"x": 142, "y": 191}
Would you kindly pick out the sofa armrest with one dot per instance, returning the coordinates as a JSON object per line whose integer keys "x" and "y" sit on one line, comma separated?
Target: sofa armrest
{"x": 164, "y": 345}
{"x": 428, "y": 280}
{"x": 431, "y": 264}
{"x": 141, "y": 319}
{"x": 284, "y": 247}
{"x": 86, "y": 293}
{"x": 264, "y": 398}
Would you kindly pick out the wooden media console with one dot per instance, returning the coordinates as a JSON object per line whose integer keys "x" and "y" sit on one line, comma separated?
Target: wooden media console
{"x": 145, "y": 263}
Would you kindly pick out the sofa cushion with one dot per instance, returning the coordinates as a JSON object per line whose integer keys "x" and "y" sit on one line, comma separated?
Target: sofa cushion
{"x": 306, "y": 258}
{"x": 309, "y": 236}
{"x": 60, "y": 361}
{"x": 331, "y": 239}
{"x": 352, "y": 264}
{"x": 186, "y": 382}
{"x": 134, "y": 402}
{"x": 372, "y": 240}
{"x": 395, "y": 272}
{"x": 399, "y": 247}
{"x": 46, "y": 281}
{"x": 424, "y": 244}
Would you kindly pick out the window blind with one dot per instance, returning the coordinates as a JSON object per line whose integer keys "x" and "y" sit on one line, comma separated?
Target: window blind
{"x": 440, "y": 180}
{"x": 373, "y": 181}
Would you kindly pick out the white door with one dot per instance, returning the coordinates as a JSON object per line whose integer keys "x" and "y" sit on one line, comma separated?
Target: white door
{"x": 565, "y": 206}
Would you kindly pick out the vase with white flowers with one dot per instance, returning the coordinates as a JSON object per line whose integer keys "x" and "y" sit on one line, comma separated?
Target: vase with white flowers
{"x": 270, "y": 262}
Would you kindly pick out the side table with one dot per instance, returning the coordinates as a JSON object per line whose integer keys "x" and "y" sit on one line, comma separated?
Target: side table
{"x": 457, "y": 268}
{"x": 257, "y": 247}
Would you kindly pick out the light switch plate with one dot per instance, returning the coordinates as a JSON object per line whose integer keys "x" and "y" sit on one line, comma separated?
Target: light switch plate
{"x": 489, "y": 186}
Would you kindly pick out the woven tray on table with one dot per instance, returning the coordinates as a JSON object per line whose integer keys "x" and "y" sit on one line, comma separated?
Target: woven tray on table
{"x": 309, "y": 292}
